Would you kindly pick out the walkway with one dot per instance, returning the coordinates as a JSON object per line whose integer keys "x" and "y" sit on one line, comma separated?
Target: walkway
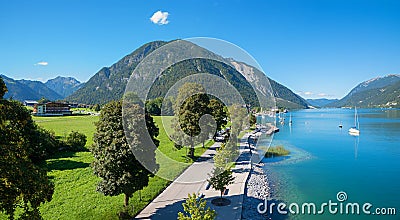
{"x": 193, "y": 180}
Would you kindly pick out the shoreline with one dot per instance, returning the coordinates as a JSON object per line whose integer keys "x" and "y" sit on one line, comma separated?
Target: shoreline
{"x": 257, "y": 189}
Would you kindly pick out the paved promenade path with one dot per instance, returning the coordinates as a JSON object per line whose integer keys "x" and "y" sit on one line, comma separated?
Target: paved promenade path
{"x": 194, "y": 180}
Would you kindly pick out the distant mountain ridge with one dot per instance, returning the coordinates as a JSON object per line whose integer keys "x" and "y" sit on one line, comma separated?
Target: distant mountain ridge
{"x": 18, "y": 91}
{"x": 377, "y": 92}
{"x": 41, "y": 89}
{"x": 34, "y": 90}
{"x": 375, "y": 83}
{"x": 321, "y": 102}
{"x": 109, "y": 83}
{"x": 64, "y": 86}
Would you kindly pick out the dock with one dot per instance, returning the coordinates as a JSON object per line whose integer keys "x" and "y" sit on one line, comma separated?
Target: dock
{"x": 268, "y": 129}
{"x": 272, "y": 130}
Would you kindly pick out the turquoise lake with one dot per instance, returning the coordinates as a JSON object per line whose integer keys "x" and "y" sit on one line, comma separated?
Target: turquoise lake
{"x": 325, "y": 160}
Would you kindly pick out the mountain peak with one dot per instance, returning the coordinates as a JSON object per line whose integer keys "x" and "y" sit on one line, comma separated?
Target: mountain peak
{"x": 380, "y": 91}
{"x": 395, "y": 77}
{"x": 28, "y": 90}
{"x": 54, "y": 89}
{"x": 64, "y": 86}
{"x": 109, "y": 83}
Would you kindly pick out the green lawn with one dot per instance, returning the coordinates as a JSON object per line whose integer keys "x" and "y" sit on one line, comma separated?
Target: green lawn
{"x": 62, "y": 126}
{"x": 169, "y": 168}
{"x": 75, "y": 195}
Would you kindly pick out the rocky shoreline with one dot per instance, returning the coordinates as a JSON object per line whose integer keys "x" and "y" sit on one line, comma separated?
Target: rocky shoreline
{"x": 257, "y": 189}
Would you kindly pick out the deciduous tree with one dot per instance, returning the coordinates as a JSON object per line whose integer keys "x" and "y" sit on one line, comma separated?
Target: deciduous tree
{"x": 3, "y": 88}
{"x": 196, "y": 209}
{"x": 22, "y": 182}
{"x": 116, "y": 160}
{"x": 191, "y": 104}
{"x": 221, "y": 178}
{"x": 153, "y": 106}
{"x": 96, "y": 107}
{"x": 222, "y": 157}
{"x": 219, "y": 114}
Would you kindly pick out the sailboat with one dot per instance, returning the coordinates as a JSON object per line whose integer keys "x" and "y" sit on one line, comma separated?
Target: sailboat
{"x": 356, "y": 129}
{"x": 281, "y": 119}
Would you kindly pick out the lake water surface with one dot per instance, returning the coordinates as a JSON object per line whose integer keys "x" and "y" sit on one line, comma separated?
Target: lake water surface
{"x": 326, "y": 160}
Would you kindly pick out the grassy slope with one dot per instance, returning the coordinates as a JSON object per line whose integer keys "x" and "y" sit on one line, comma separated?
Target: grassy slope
{"x": 75, "y": 195}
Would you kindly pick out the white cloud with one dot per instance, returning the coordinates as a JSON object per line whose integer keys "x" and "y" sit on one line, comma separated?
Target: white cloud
{"x": 42, "y": 63}
{"x": 160, "y": 18}
{"x": 314, "y": 94}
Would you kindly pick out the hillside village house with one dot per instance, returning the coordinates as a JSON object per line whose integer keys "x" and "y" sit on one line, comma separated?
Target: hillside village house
{"x": 52, "y": 109}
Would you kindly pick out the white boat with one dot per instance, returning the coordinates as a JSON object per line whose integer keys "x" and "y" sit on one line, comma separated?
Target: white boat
{"x": 356, "y": 129}
{"x": 290, "y": 119}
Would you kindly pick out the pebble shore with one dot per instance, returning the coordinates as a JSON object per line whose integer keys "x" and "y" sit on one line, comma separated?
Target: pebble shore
{"x": 257, "y": 190}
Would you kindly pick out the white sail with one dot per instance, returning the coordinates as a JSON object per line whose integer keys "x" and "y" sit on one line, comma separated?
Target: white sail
{"x": 356, "y": 129}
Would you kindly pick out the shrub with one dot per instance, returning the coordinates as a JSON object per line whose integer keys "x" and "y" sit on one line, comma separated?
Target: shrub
{"x": 76, "y": 141}
{"x": 44, "y": 144}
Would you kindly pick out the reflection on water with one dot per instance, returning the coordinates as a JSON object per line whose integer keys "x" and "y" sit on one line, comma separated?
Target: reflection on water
{"x": 356, "y": 143}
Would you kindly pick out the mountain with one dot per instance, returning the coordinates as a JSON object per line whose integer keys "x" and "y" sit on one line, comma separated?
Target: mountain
{"x": 41, "y": 89}
{"x": 321, "y": 102}
{"x": 64, "y": 86}
{"x": 28, "y": 90}
{"x": 377, "y": 92}
{"x": 376, "y": 83}
{"x": 175, "y": 75}
{"x": 285, "y": 98}
{"x": 53, "y": 89}
{"x": 18, "y": 91}
{"x": 110, "y": 82}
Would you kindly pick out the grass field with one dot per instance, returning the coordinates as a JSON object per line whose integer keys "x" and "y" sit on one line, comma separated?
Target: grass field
{"x": 62, "y": 126}
{"x": 75, "y": 195}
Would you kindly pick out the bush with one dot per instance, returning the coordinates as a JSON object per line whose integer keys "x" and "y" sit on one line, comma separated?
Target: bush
{"x": 76, "y": 141}
{"x": 44, "y": 144}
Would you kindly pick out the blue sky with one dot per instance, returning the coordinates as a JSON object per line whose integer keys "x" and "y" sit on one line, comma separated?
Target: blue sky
{"x": 318, "y": 48}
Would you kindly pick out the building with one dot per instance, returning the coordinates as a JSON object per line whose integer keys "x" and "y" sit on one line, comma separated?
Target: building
{"x": 51, "y": 109}
{"x": 30, "y": 103}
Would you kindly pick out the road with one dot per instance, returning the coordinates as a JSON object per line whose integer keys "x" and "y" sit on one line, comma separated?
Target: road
{"x": 194, "y": 180}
